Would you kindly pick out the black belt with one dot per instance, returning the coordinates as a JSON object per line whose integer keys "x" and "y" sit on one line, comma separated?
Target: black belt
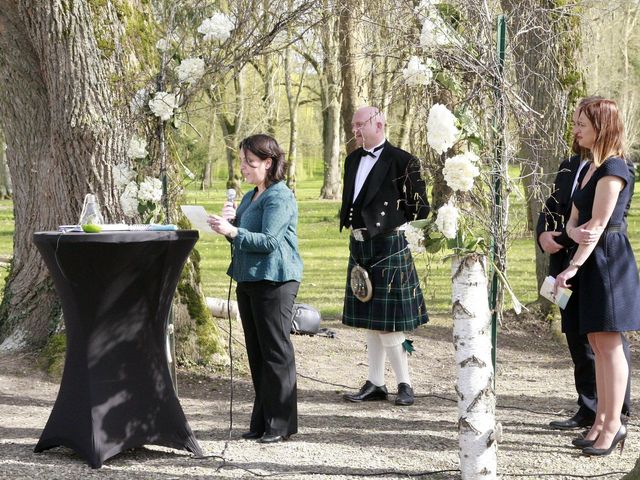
{"x": 622, "y": 228}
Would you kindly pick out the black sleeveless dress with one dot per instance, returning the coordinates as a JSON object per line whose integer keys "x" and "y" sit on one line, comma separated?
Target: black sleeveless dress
{"x": 607, "y": 284}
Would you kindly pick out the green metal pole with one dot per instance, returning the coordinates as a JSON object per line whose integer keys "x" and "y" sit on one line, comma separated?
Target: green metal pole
{"x": 498, "y": 122}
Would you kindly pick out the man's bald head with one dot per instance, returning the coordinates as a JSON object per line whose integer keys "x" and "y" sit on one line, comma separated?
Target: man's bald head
{"x": 367, "y": 126}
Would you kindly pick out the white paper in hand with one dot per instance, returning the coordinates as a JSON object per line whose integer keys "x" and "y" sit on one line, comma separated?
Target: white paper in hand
{"x": 198, "y": 217}
{"x": 546, "y": 290}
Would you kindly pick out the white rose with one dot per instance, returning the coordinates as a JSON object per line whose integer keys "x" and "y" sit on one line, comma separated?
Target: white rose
{"x": 150, "y": 190}
{"x": 137, "y": 148}
{"x": 435, "y": 33}
{"x": 218, "y": 27}
{"x": 460, "y": 171}
{"x": 442, "y": 132}
{"x": 415, "y": 239}
{"x": 447, "y": 220}
{"x": 417, "y": 73}
{"x": 163, "y": 104}
{"x": 190, "y": 70}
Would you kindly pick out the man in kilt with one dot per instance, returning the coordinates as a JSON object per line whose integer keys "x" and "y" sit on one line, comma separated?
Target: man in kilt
{"x": 382, "y": 190}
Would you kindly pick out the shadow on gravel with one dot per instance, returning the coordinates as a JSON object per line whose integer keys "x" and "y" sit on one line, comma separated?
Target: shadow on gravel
{"x": 22, "y": 401}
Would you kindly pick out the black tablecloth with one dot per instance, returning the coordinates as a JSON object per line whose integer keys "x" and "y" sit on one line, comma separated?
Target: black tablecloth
{"x": 116, "y": 291}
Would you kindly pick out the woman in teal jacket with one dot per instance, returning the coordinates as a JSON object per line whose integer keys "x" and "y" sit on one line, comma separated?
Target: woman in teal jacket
{"x": 268, "y": 270}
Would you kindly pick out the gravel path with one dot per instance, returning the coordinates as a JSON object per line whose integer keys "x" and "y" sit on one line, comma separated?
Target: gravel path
{"x": 336, "y": 439}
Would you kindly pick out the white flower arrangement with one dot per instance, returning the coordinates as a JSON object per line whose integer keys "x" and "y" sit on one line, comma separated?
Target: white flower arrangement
{"x": 150, "y": 190}
{"x": 122, "y": 175}
{"x": 442, "y": 132}
{"x": 137, "y": 199}
{"x": 460, "y": 171}
{"x": 163, "y": 45}
{"x": 137, "y": 148}
{"x": 163, "y": 104}
{"x": 190, "y": 70}
{"x": 218, "y": 27}
{"x": 447, "y": 220}
{"x": 435, "y": 32}
{"x": 415, "y": 239}
{"x": 417, "y": 73}
{"x": 138, "y": 101}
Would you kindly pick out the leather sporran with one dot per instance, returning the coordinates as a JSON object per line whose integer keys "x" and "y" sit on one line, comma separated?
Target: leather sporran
{"x": 361, "y": 284}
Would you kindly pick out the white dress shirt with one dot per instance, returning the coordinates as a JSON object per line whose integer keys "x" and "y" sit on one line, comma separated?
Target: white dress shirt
{"x": 367, "y": 163}
{"x": 575, "y": 180}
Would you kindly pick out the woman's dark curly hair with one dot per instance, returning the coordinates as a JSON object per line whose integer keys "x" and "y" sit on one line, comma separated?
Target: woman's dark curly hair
{"x": 264, "y": 147}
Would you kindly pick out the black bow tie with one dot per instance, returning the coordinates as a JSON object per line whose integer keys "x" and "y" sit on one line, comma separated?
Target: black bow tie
{"x": 372, "y": 154}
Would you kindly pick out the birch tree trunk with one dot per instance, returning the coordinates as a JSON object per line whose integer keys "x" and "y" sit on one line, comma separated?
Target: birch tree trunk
{"x": 472, "y": 341}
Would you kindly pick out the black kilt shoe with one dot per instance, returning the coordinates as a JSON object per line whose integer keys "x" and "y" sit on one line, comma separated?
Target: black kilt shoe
{"x": 577, "y": 421}
{"x": 369, "y": 392}
{"x": 405, "y": 396}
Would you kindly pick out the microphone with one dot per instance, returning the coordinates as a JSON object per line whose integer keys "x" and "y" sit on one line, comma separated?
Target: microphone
{"x": 231, "y": 195}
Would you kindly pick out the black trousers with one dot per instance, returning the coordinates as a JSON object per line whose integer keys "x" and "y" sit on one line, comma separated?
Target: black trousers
{"x": 584, "y": 373}
{"x": 266, "y": 311}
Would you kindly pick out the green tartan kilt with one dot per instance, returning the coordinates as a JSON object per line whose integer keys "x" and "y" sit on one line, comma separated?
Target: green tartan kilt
{"x": 397, "y": 304}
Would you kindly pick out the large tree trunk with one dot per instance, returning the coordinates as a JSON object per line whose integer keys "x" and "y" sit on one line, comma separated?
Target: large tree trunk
{"x": 293, "y": 100}
{"x": 330, "y": 101}
{"x": 63, "y": 131}
{"x": 6, "y": 190}
{"x": 348, "y": 54}
{"x": 545, "y": 52}
{"x": 230, "y": 124}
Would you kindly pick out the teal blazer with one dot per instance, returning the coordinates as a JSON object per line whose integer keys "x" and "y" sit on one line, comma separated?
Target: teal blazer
{"x": 266, "y": 247}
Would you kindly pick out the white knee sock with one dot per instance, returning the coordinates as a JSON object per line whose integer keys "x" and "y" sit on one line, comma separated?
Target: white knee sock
{"x": 376, "y": 357}
{"x": 398, "y": 358}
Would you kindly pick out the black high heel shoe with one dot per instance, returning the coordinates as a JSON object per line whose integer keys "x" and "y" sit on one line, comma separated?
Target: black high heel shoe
{"x": 620, "y": 438}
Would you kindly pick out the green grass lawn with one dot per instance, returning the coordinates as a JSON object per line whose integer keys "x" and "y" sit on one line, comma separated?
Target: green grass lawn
{"x": 324, "y": 252}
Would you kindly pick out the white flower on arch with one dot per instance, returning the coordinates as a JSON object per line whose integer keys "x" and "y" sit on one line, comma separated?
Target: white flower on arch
{"x": 442, "y": 132}
{"x": 190, "y": 70}
{"x": 417, "y": 73}
{"x": 447, "y": 220}
{"x": 217, "y": 27}
{"x": 137, "y": 148}
{"x": 163, "y": 104}
{"x": 460, "y": 171}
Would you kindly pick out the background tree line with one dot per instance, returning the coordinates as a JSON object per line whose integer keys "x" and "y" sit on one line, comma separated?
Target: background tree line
{"x": 293, "y": 68}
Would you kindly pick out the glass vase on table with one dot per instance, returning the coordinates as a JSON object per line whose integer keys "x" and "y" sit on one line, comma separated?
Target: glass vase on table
{"x": 91, "y": 219}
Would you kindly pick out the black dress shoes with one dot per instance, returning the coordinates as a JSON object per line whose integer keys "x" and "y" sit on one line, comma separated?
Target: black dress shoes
{"x": 367, "y": 393}
{"x": 405, "y": 395}
{"x": 272, "y": 438}
{"x": 577, "y": 421}
{"x": 251, "y": 435}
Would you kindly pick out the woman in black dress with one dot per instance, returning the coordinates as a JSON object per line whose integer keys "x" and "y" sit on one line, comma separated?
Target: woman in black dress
{"x": 603, "y": 272}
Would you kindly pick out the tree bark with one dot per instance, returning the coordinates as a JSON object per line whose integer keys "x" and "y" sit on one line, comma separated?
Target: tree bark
{"x": 63, "y": 131}
{"x": 348, "y": 25}
{"x": 6, "y": 190}
{"x": 293, "y": 100}
{"x": 472, "y": 341}
{"x": 545, "y": 38}
{"x": 330, "y": 102}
